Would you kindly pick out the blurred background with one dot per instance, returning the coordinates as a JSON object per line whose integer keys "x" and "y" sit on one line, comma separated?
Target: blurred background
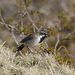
{"x": 50, "y": 9}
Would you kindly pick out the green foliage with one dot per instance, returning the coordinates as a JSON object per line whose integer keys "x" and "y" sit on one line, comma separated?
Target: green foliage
{"x": 32, "y": 12}
{"x": 51, "y": 31}
{"x": 64, "y": 58}
{"x": 27, "y": 2}
{"x": 66, "y": 23}
{"x": 20, "y": 3}
{"x": 42, "y": 46}
{"x": 11, "y": 20}
{"x": 60, "y": 57}
{"x": 39, "y": 14}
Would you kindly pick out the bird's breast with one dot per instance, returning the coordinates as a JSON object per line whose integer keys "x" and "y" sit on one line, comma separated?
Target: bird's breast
{"x": 36, "y": 41}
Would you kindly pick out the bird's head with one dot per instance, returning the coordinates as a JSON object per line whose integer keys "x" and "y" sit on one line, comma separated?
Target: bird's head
{"x": 43, "y": 34}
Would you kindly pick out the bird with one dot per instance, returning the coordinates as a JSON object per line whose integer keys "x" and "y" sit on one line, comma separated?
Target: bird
{"x": 33, "y": 39}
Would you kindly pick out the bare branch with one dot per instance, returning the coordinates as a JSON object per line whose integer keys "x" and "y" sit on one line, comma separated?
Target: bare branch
{"x": 14, "y": 38}
{"x": 42, "y": 25}
{"x": 62, "y": 47}
{"x": 56, "y": 44}
{"x": 72, "y": 56}
{"x": 46, "y": 45}
{"x": 69, "y": 34}
{"x": 25, "y": 11}
{"x": 7, "y": 26}
{"x": 29, "y": 17}
{"x": 67, "y": 51}
{"x": 3, "y": 22}
{"x": 1, "y": 17}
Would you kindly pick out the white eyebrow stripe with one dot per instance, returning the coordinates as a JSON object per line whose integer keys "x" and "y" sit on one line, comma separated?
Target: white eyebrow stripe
{"x": 44, "y": 32}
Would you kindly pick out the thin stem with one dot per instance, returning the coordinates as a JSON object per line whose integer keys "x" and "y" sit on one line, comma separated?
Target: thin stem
{"x": 56, "y": 44}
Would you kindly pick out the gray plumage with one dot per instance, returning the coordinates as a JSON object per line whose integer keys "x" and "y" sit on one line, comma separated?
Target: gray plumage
{"x": 33, "y": 39}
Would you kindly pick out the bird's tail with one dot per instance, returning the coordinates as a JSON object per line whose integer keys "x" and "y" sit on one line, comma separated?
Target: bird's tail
{"x": 20, "y": 47}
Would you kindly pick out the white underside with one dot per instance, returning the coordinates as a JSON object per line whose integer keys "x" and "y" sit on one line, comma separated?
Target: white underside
{"x": 38, "y": 40}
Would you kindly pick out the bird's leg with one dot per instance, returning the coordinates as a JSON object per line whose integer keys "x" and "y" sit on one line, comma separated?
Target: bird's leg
{"x": 29, "y": 51}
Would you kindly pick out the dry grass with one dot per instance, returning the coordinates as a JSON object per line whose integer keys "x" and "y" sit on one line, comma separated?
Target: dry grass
{"x": 33, "y": 64}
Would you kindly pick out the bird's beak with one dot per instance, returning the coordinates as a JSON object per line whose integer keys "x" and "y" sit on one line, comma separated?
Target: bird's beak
{"x": 47, "y": 35}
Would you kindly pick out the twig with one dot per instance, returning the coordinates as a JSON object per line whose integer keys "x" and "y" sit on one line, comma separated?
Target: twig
{"x": 14, "y": 38}
{"x": 56, "y": 44}
{"x": 1, "y": 17}
{"x": 12, "y": 33}
{"x": 3, "y": 21}
{"x": 69, "y": 34}
{"x": 66, "y": 38}
{"x": 61, "y": 47}
{"x": 72, "y": 56}
{"x": 46, "y": 45}
{"x": 6, "y": 25}
{"x": 3, "y": 43}
{"x": 29, "y": 17}
{"x": 25, "y": 13}
{"x": 67, "y": 51}
{"x": 42, "y": 25}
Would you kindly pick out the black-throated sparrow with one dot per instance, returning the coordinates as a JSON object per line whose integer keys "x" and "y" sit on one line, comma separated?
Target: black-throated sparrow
{"x": 33, "y": 39}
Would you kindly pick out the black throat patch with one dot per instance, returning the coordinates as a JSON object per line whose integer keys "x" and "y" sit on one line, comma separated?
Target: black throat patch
{"x": 42, "y": 39}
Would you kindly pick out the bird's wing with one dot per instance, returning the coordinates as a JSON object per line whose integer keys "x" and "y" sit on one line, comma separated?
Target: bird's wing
{"x": 29, "y": 37}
